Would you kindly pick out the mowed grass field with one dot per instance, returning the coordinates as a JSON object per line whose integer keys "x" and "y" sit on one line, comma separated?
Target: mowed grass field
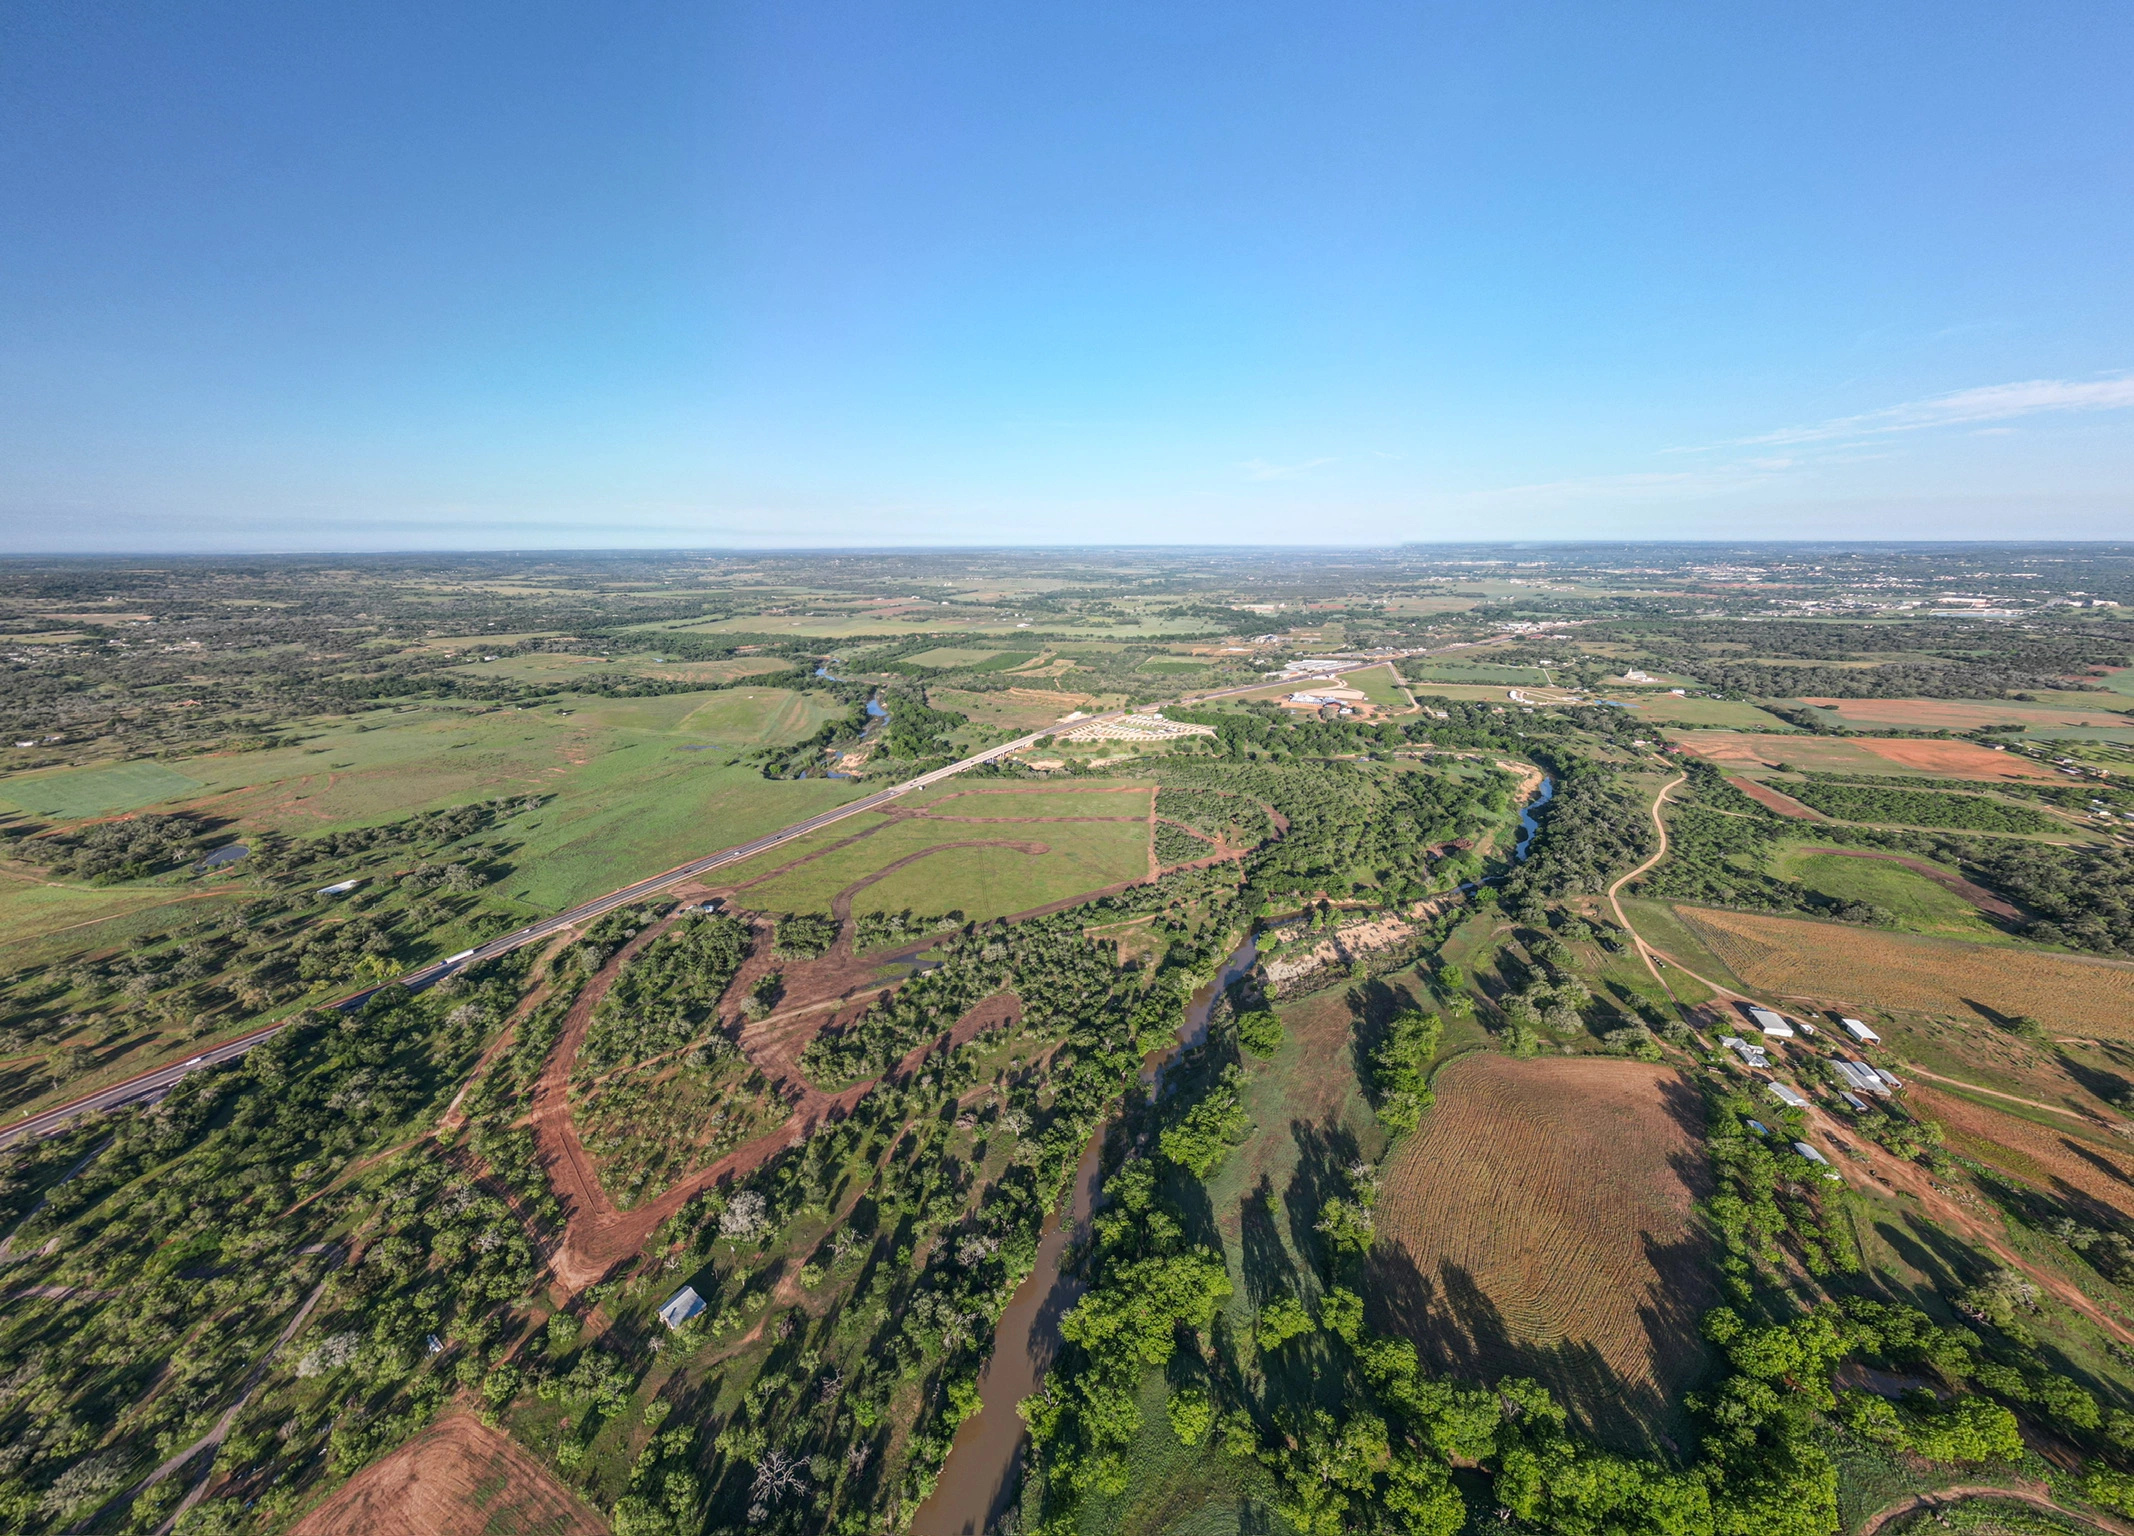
{"x": 1918, "y": 903}
{"x": 1435, "y": 672}
{"x": 1849, "y": 968}
{"x": 1540, "y": 1222}
{"x": 1381, "y": 687}
{"x": 1007, "y": 857}
{"x": 1669, "y": 710}
{"x": 70, "y": 793}
{"x": 1864, "y": 754}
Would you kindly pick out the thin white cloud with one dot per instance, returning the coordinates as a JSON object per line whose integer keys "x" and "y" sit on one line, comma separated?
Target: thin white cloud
{"x": 1991, "y": 402}
{"x": 1260, "y": 469}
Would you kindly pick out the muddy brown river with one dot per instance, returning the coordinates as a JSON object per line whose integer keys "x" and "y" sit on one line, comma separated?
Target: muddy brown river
{"x": 983, "y": 1474}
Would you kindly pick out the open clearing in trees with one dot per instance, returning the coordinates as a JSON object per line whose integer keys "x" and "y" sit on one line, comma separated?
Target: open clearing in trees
{"x": 456, "y": 1478}
{"x": 1539, "y": 1223}
{"x": 1843, "y": 966}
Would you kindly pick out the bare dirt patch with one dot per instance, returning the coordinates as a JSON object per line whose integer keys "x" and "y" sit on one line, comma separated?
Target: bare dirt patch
{"x": 456, "y": 1478}
{"x": 1847, "y": 968}
{"x": 1771, "y": 799}
{"x": 1863, "y": 754}
{"x": 1540, "y": 1222}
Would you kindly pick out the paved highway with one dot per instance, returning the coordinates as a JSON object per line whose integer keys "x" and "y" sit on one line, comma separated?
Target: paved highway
{"x": 156, "y": 1083}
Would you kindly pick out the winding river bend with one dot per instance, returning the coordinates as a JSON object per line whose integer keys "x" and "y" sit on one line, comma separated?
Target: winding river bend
{"x": 982, "y": 1477}
{"x": 983, "y": 1473}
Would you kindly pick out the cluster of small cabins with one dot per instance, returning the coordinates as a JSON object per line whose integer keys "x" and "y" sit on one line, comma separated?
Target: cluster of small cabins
{"x": 1859, "y": 1077}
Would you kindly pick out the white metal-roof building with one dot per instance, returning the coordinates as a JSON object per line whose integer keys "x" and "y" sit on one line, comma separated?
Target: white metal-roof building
{"x": 1751, "y": 1055}
{"x": 1788, "y": 1095}
{"x": 681, "y": 1306}
{"x": 1771, "y": 1024}
{"x": 1860, "y": 1032}
{"x": 1861, "y": 1076}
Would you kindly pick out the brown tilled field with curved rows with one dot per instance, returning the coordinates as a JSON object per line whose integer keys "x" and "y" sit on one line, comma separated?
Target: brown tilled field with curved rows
{"x": 456, "y": 1478}
{"x": 1539, "y": 1223}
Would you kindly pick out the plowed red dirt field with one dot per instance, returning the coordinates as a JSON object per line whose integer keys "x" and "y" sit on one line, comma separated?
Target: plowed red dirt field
{"x": 1865, "y": 754}
{"x": 456, "y": 1478}
{"x": 1539, "y": 1223}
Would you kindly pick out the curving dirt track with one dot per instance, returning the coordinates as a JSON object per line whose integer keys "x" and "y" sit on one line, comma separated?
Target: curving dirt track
{"x": 597, "y": 1236}
{"x": 456, "y": 1478}
{"x": 2037, "y": 1495}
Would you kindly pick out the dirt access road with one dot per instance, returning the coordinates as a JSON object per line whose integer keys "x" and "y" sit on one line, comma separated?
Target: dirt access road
{"x": 1615, "y": 891}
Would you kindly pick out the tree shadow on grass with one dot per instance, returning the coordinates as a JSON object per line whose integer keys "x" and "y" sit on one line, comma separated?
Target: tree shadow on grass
{"x": 1269, "y": 1269}
{"x": 2107, "y": 1086}
{"x": 1459, "y": 1330}
{"x": 1373, "y": 1005}
{"x": 1324, "y": 1155}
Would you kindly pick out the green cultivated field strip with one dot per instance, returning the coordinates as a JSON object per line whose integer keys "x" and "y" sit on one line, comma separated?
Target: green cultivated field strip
{"x": 2123, "y": 734}
{"x": 1657, "y": 924}
{"x": 1473, "y": 672}
{"x": 1918, "y": 904}
{"x": 1378, "y": 686}
{"x": 1127, "y": 801}
{"x": 97, "y": 791}
{"x": 38, "y": 921}
{"x": 983, "y": 882}
{"x": 945, "y": 656}
{"x": 1719, "y": 712}
{"x": 624, "y": 820}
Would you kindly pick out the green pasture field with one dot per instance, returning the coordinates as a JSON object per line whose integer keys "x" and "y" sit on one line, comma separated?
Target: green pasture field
{"x": 624, "y": 799}
{"x": 1007, "y": 712}
{"x": 546, "y": 668}
{"x": 1434, "y": 672}
{"x": 1129, "y": 798}
{"x": 984, "y": 882}
{"x": 1657, "y": 923}
{"x": 1379, "y": 685}
{"x": 757, "y": 716}
{"x": 42, "y": 921}
{"x": 1918, "y": 904}
{"x": 1735, "y": 714}
{"x": 2122, "y": 735}
{"x": 540, "y": 667}
{"x": 71, "y": 793}
{"x": 943, "y": 657}
{"x": 1175, "y": 664}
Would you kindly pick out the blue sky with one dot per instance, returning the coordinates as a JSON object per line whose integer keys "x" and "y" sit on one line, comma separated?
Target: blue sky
{"x": 394, "y": 276}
